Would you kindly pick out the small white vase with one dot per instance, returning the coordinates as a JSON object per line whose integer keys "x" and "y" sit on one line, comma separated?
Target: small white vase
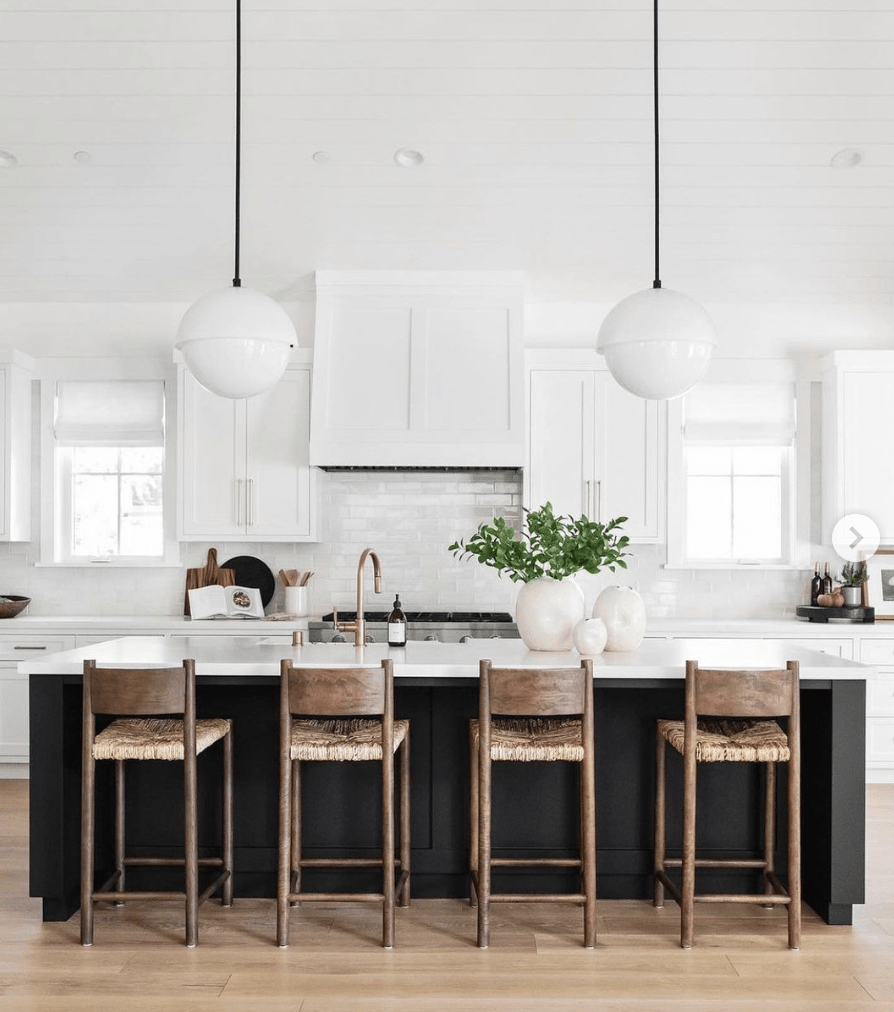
{"x": 590, "y": 635}
{"x": 624, "y": 614}
{"x": 546, "y": 612}
{"x": 853, "y": 596}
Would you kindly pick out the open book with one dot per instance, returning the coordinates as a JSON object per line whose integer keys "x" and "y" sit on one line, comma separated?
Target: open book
{"x": 225, "y": 602}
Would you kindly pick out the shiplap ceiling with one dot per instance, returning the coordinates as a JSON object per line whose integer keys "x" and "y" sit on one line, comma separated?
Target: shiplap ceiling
{"x": 534, "y": 119}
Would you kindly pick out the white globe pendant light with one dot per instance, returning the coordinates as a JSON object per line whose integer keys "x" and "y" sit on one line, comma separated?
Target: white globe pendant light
{"x": 236, "y": 342}
{"x": 657, "y": 343}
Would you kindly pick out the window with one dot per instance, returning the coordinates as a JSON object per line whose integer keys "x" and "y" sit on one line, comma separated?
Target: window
{"x": 737, "y": 472}
{"x": 108, "y": 454}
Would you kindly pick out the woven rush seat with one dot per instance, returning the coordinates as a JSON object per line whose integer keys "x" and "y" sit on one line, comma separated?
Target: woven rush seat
{"x": 155, "y": 738}
{"x": 731, "y": 741}
{"x": 341, "y": 740}
{"x": 532, "y": 739}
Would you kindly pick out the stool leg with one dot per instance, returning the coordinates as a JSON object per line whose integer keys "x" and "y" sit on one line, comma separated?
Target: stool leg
{"x": 473, "y": 820}
{"x": 484, "y": 848}
{"x": 388, "y": 851}
{"x": 88, "y": 832}
{"x": 405, "y": 846}
{"x": 588, "y": 855}
{"x": 191, "y": 849}
{"x": 227, "y": 807}
{"x": 794, "y": 852}
{"x": 769, "y": 826}
{"x": 284, "y": 851}
{"x": 687, "y": 890}
{"x": 295, "y": 831}
{"x": 119, "y": 827}
{"x": 660, "y": 816}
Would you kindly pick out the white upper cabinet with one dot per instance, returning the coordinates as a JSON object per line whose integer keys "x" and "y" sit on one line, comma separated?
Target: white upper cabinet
{"x": 858, "y": 439}
{"x": 593, "y": 448}
{"x": 418, "y": 369}
{"x": 15, "y": 445}
{"x": 243, "y": 464}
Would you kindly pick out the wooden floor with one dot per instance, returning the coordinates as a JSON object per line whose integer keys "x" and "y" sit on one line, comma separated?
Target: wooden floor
{"x": 535, "y": 964}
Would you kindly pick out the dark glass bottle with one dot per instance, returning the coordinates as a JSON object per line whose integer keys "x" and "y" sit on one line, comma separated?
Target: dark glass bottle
{"x": 816, "y": 585}
{"x": 827, "y": 581}
{"x": 397, "y": 626}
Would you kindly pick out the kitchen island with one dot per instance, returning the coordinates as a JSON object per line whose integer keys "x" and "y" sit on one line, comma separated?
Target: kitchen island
{"x": 436, "y": 688}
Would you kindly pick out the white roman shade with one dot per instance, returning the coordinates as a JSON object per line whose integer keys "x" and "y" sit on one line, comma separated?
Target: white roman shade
{"x": 109, "y": 413}
{"x": 743, "y": 413}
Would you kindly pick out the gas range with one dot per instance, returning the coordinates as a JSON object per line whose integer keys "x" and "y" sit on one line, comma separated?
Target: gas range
{"x": 441, "y": 626}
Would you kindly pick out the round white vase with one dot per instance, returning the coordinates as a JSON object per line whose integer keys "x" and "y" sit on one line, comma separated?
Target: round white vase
{"x": 590, "y": 635}
{"x": 546, "y": 612}
{"x": 624, "y": 614}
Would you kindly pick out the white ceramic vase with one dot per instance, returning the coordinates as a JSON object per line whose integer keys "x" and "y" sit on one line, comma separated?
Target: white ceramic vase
{"x": 624, "y": 614}
{"x": 590, "y": 635}
{"x": 546, "y": 612}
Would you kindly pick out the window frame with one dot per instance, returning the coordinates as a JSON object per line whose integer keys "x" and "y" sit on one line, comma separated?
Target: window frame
{"x": 55, "y": 508}
{"x": 796, "y": 489}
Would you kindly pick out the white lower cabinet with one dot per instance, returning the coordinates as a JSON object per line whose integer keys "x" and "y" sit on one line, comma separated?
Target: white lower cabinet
{"x": 14, "y": 689}
{"x": 879, "y": 703}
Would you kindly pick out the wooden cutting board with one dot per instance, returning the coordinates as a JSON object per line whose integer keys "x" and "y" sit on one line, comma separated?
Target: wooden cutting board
{"x": 207, "y": 576}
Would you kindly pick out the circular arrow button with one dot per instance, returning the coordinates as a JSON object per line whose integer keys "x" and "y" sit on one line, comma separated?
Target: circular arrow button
{"x": 855, "y": 537}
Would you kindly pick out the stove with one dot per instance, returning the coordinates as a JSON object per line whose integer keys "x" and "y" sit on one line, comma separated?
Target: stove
{"x": 442, "y": 626}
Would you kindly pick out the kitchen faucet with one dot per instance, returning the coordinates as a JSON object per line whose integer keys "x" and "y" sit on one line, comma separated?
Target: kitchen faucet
{"x": 358, "y": 626}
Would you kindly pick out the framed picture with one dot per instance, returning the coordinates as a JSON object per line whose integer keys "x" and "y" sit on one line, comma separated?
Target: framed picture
{"x": 880, "y": 585}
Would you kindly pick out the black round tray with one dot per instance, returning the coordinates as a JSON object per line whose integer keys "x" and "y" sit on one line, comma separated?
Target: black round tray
{"x": 815, "y": 613}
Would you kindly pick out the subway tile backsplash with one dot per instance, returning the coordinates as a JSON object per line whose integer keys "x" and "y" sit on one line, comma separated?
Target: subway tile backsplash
{"x": 409, "y": 519}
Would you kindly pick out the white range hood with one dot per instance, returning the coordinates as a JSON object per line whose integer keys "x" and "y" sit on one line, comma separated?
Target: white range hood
{"x": 418, "y": 369}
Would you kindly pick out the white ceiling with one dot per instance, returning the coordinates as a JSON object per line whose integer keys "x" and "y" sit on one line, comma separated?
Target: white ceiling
{"x": 534, "y": 119}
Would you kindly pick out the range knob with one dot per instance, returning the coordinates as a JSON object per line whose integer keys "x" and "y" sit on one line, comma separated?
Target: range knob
{"x": 431, "y": 638}
{"x": 370, "y": 638}
{"x": 339, "y": 638}
{"x": 465, "y": 639}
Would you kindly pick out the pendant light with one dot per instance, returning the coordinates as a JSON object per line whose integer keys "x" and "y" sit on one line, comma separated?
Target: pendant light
{"x": 236, "y": 342}
{"x": 657, "y": 343}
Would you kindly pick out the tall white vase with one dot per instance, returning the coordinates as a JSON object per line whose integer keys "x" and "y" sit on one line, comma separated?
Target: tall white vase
{"x": 546, "y": 612}
{"x": 624, "y": 614}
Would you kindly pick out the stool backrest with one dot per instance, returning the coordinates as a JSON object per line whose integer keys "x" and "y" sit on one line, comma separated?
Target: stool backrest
{"x": 338, "y": 692}
{"x": 140, "y": 692}
{"x": 743, "y": 693}
{"x": 535, "y": 692}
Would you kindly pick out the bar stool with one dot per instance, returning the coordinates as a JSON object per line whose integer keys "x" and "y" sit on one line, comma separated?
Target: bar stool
{"x": 534, "y": 724}
{"x": 723, "y": 698}
{"x": 144, "y": 694}
{"x": 345, "y": 715}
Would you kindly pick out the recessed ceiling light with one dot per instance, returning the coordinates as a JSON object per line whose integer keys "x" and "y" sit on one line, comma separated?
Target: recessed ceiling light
{"x": 82, "y": 157}
{"x": 321, "y": 157}
{"x": 8, "y": 160}
{"x": 408, "y": 158}
{"x": 847, "y": 158}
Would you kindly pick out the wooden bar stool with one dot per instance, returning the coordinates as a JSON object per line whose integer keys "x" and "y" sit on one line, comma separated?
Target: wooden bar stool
{"x": 714, "y": 731}
{"x": 344, "y": 715}
{"x": 144, "y": 695}
{"x": 524, "y": 715}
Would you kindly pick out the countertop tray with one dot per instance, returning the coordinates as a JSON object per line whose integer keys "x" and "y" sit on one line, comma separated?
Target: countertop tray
{"x": 815, "y": 613}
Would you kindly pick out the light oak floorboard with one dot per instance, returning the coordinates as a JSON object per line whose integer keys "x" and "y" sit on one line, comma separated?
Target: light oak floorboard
{"x": 536, "y": 962}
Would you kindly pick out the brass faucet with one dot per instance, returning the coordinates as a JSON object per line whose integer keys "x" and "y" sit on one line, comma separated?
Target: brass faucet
{"x": 358, "y": 626}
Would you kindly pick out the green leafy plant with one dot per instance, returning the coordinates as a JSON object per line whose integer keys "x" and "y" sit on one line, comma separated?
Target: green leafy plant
{"x": 854, "y": 573}
{"x": 548, "y": 545}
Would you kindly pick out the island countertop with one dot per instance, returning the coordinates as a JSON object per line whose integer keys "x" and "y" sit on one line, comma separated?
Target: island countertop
{"x": 260, "y": 656}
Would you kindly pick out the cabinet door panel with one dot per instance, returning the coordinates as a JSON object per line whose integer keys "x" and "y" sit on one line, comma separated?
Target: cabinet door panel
{"x": 868, "y": 479}
{"x": 212, "y": 463}
{"x": 278, "y": 472}
{"x": 630, "y": 471}
{"x": 562, "y": 441}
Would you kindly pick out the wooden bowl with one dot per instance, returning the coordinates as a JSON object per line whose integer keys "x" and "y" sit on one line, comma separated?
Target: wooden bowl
{"x": 12, "y": 604}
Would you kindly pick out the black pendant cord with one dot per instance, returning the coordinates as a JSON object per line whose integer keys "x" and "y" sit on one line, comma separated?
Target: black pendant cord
{"x": 237, "y": 282}
{"x": 657, "y": 281}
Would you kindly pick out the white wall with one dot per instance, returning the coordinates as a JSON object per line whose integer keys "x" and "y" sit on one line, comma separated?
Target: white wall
{"x": 411, "y": 518}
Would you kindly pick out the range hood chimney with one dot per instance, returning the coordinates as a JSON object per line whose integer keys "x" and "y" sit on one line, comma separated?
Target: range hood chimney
{"x": 418, "y": 370}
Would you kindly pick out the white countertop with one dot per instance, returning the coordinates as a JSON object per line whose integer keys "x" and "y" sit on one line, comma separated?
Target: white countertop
{"x": 253, "y": 656}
